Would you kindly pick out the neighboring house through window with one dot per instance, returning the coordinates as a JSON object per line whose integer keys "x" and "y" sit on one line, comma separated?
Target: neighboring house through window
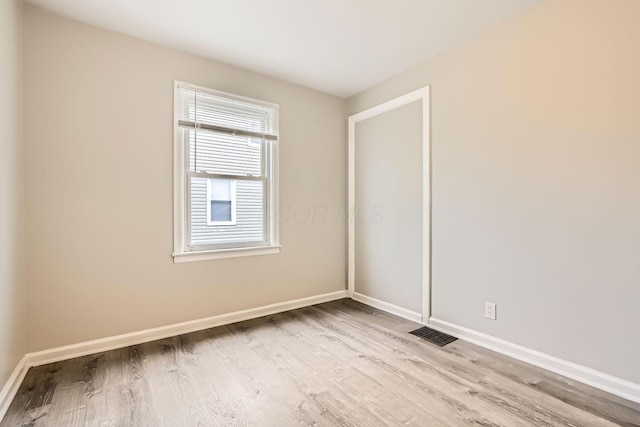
{"x": 221, "y": 201}
{"x": 225, "y": 175}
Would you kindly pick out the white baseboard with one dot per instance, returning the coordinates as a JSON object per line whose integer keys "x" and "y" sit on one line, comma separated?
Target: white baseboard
{"x": 139, "y": 337}
{"x": 618, "y": 386}
{"x": 388, "y": 307}
{"x": 606, "y": 382}
{"x": 12, "y": 385}
{"x": 614, "y": 385}
{"x": 110, "y": 343}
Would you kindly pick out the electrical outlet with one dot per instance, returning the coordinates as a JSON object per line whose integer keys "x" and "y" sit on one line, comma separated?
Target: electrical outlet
{"x": 490, "y": 310}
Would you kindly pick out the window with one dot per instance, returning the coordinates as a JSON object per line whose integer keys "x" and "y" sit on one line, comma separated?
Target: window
{"x": 225, "y": 175}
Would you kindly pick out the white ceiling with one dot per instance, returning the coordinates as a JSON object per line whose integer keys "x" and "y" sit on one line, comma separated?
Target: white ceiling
{"x": 336, "y": 46}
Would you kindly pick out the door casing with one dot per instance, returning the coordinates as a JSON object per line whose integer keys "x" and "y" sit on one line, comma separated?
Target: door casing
{"x": 422, "y": 94}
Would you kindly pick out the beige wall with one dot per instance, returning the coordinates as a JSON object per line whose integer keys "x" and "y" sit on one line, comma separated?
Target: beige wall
{"x": 536, "y": 180}
{"x": 12, "y": 282}
{"x": 99, "y": 188}
{"x": 388, "y": 206}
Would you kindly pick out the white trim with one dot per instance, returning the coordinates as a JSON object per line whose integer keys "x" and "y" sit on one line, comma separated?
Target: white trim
{"x": 388, "y": 307}
{"x": 417, "y": 95}
{"x": 196, "y": 256}
{"x": 12, "y": 385}
{"x": 139, "y": 337}
{"x": 233, "y": 96}
{"x": 273, "y": 200}
{"x": 351, "y": 196}
{"x": 179, "y": 159}
{"x": 618, "y": 386}
{"x": 58, "y": 354}
{"x": 426, "y": 204}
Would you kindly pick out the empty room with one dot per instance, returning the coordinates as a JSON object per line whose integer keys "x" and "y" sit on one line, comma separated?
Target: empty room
{"x": 310, "y": 212}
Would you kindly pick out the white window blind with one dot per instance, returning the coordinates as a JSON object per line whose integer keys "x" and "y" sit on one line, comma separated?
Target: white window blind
{"x": 227, "y": 113}
{"x": 226, "y": 139}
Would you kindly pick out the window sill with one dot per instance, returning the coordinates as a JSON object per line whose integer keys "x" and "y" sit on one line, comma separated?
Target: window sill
{"x": 183, "y": 257}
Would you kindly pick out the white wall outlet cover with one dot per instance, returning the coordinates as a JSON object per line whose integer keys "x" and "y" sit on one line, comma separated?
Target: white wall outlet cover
{"x": 490, "y": 310}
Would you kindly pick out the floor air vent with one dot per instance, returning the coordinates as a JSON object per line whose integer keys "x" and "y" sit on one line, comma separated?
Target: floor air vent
{"x": 433, "y": 336}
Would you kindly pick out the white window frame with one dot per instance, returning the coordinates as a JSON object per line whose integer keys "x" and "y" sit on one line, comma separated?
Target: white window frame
{"x": 232, "y": 199}
{"x": 181, "y": 252}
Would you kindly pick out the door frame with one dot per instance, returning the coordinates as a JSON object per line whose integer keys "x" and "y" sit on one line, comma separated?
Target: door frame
{"x": 422, "y": 94}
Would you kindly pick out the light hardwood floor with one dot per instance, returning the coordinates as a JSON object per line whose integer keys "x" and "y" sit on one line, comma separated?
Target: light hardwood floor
{"x": 340, "y": 363}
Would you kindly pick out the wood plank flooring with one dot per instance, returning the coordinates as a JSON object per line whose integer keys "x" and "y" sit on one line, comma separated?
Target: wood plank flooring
{"x": 340, "y": 363}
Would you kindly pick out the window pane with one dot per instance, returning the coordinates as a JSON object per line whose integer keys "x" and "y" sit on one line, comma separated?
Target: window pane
{"x": 215, "y": 152}
{"x": 221, "y": 189}
{"x": 249, "y": 225}
{"x": 221, "y": 210}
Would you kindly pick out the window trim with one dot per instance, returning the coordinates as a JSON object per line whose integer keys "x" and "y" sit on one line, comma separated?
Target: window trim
{"x": 232, "y": 199}
{"x": 180, "y": 209}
